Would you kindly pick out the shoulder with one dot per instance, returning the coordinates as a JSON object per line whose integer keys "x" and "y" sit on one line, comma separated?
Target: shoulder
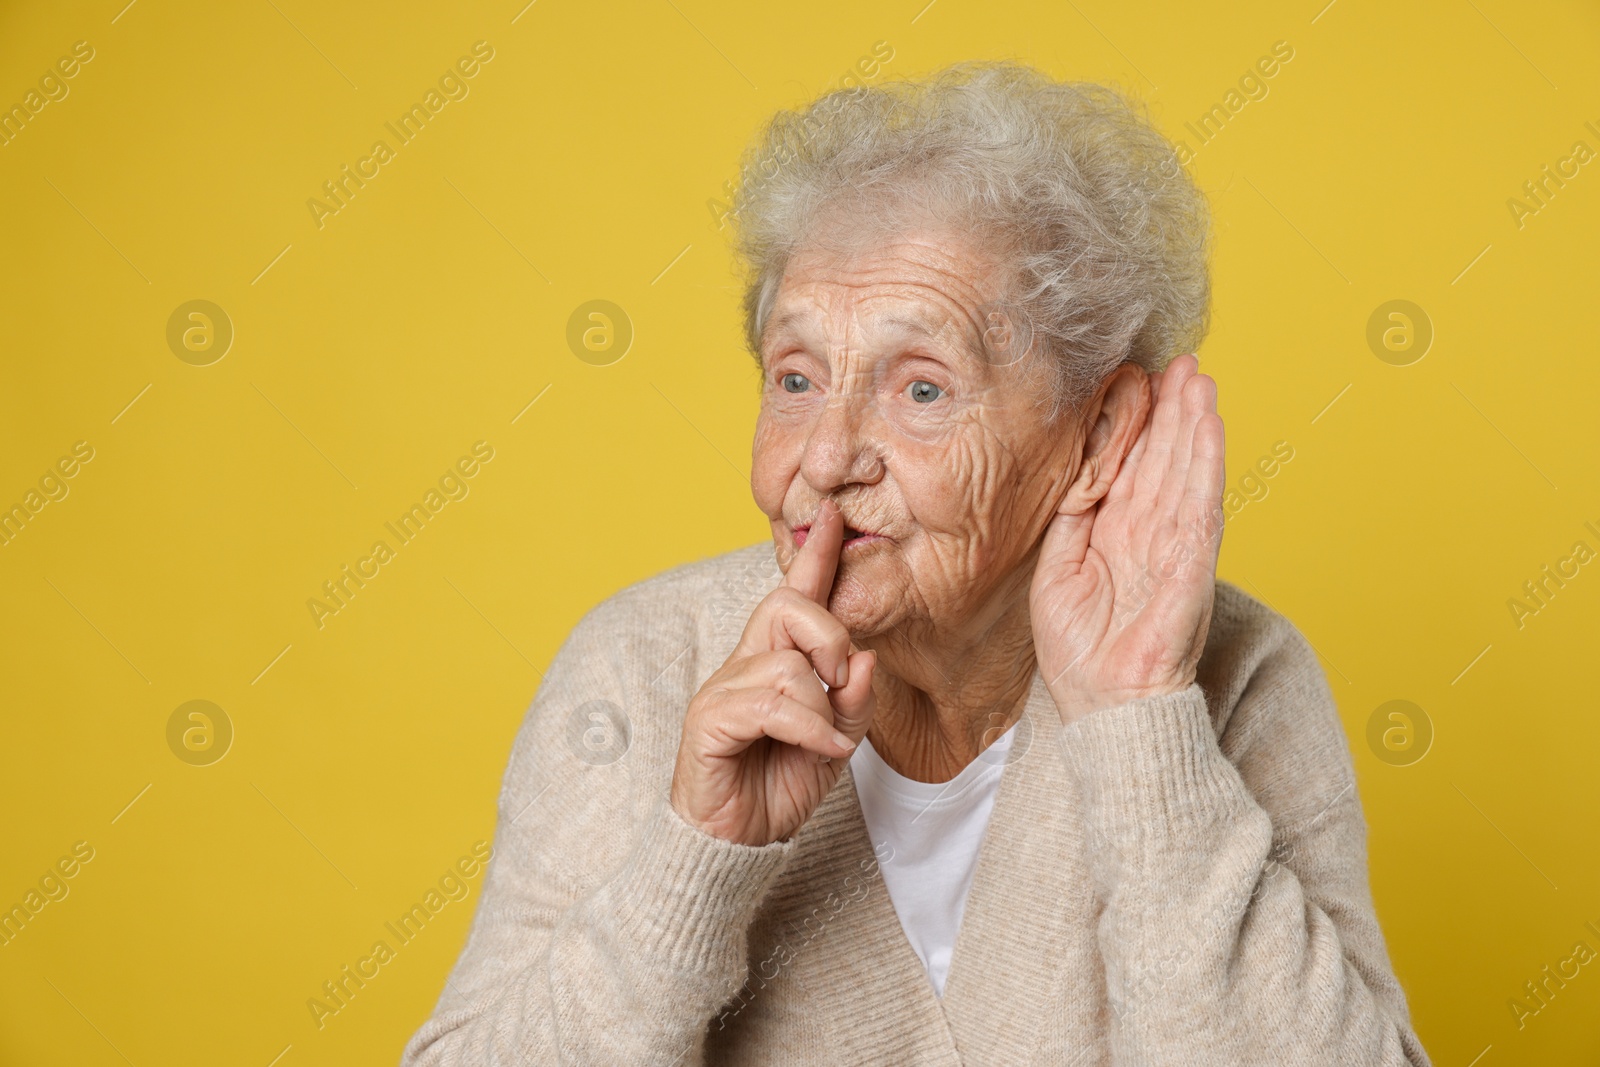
{"x": 695, "y": 605}
{"x": 742, "y": 571}
{"x": 595, "y": 748}
{"x": 1249, "y": 644}
{"x": 649, "y": 646}
{"x": 1271, "y": 704}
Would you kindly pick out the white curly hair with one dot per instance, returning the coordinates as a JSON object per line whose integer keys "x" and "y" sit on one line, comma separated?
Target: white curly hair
{"x": 1105, "y": 235}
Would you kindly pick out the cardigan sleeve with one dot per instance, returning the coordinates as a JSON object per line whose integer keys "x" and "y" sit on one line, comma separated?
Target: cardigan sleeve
{"x": 609, "y": 930}
{"x": 1238, "y": 924}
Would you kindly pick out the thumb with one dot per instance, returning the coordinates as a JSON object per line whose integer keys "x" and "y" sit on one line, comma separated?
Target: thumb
{"x": 855, "y": 704}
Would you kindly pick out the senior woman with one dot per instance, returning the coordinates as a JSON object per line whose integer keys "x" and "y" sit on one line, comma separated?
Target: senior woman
{"x": 977, "y": 762}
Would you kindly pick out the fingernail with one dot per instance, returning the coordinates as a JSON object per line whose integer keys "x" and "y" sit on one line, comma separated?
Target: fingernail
{"x": 843, "y": 742}
{"x": 842, "y": 675}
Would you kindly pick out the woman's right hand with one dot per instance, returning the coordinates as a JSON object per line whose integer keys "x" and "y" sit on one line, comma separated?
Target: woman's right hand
{"x": 761, "y": 741}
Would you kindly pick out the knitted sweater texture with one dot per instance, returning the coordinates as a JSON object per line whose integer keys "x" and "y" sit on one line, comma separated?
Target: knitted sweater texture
{"x": 1179, "y": 880}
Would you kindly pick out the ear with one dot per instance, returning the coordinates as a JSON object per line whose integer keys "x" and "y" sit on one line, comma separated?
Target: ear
{"x": 1106, "y": 432}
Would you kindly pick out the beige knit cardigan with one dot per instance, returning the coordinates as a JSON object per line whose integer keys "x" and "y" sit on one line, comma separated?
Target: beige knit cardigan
{"x": 1177, "y": 880}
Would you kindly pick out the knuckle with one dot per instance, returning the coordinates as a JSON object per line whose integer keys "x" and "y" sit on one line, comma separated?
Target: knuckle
{"x": 793, "y": 663}
{"x": 768, "y": 704}
{"x": 784, "y": 597}
{"x": 791, "y": 659}
{"x": 703, "y": 708}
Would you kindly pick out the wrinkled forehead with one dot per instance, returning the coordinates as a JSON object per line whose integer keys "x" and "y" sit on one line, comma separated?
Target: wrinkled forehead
{"x": 932, "y": 289}
{"x": 822, "y": 320}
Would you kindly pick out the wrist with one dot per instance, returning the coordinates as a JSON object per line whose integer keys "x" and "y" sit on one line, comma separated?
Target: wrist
{"x": 1076, "y": 703}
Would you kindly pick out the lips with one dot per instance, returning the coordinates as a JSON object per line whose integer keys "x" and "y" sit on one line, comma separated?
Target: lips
{"x": 852, "y": 536}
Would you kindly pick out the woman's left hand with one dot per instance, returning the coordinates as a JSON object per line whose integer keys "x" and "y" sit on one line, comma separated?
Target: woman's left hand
{"x": 1122, "y": 594}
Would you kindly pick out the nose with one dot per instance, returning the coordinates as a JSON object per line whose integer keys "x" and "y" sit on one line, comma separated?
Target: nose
{"x": 844, "y": 447}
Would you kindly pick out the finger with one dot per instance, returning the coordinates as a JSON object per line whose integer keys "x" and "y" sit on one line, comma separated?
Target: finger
{"x": 1199, "y": 395}
{"x": 813, "y": 567}
{"x": 1149, "y": 457}
{"x": 1066, "y": 541}
{"x": 787, "y": 671}
{"x": 855, "y": 704}
{"x": 1196, "y": 471}
{"x": 787, "y": 619}
{"x": 1204, "y": 490}
{"x": 747, "y": 715}
{"x": 1128, "y": 473}
{"x": 1163, "y": 428}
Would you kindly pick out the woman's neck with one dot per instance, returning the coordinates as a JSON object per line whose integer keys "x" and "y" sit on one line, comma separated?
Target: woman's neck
{"x": 943, "y": 698}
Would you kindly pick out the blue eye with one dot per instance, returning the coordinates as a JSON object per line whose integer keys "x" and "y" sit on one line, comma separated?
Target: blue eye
{"x": 796, "y": 383}
{"x": 924, "y": 392}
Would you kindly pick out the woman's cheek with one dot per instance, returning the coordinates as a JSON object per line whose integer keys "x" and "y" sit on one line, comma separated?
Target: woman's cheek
{"x": 774, "y": 459}
{"x": 950, "y": 486}
{"x": 929, "y": 486}
{"x": 778, "y": 431}
{"x": 785, "y": 412}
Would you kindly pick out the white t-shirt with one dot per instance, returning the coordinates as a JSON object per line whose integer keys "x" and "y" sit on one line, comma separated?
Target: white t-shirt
{"x": 932, "y": 831}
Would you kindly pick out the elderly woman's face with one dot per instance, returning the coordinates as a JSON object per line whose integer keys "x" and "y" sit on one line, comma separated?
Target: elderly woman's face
{"x": 881, "y": 391}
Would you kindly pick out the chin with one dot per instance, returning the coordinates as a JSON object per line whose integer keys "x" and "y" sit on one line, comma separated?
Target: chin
{"x": 865, "y": 607}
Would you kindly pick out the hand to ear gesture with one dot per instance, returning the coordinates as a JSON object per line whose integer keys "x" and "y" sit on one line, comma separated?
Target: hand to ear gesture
{"x": 1122, "y": 595}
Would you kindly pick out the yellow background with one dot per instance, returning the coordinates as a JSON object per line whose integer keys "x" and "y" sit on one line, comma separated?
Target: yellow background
{"x": 432, "y": 309}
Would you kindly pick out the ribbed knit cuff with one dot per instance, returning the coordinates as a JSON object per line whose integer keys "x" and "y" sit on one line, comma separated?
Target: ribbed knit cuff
{"x": 687, "y": 898}
{"x": 1152, "y": 768}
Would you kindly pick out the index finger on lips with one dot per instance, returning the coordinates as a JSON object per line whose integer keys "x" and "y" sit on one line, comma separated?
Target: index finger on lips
{"x": 812, "y": 570}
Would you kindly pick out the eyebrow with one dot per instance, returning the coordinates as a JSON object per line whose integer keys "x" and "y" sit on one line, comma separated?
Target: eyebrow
{"x": 963, "y": 342}
{"x": 779, "y": 324}
{"x": 917, "y": 326}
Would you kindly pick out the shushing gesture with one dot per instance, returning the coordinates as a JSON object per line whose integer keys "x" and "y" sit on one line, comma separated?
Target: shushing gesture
{"x": 763, "y": 741}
